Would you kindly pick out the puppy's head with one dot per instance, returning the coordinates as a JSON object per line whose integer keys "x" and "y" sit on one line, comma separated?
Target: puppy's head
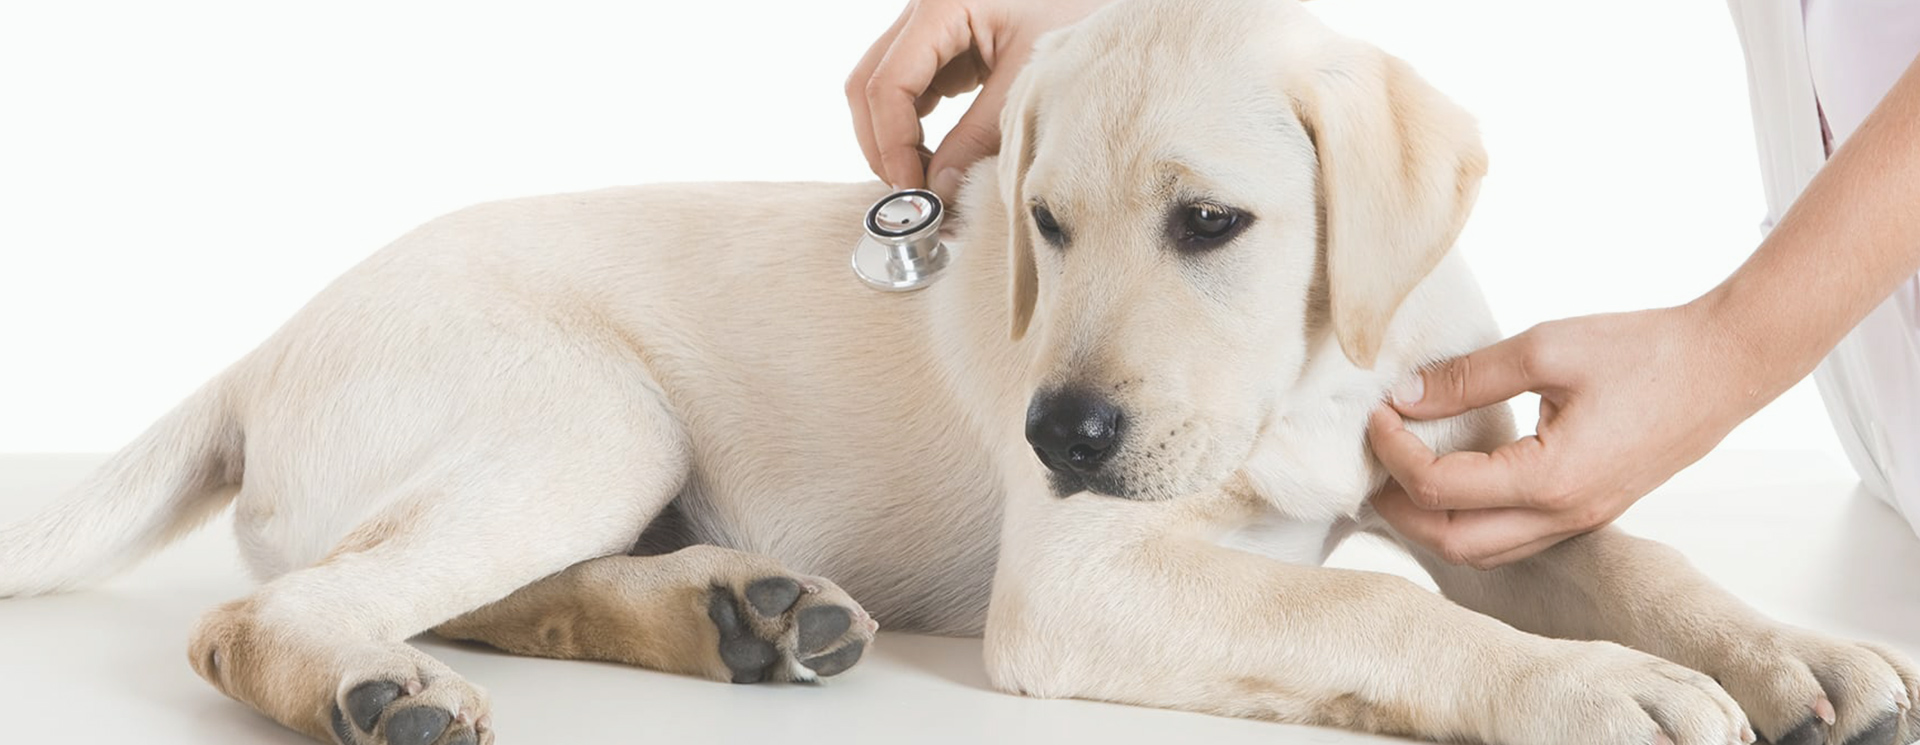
{"x": 1197, "y": 191}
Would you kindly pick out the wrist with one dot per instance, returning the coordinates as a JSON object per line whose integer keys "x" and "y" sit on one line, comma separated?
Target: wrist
{"x": 1755, "y": 360}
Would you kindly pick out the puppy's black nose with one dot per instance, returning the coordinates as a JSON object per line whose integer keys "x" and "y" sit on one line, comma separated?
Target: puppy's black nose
{"x": 1073, "y": 431}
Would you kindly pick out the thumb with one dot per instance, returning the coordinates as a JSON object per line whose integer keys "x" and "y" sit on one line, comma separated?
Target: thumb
{"x": 1456, "y": 386}
{"x": 975, "y": 136}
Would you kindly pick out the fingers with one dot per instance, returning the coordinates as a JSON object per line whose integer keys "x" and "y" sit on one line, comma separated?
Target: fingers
{"x": 856, "y": 90}
{"x": 906, "y": 71}
{"x": 1489, "y": 376}
{"x": 1483, "y": 539}
{"x": 1461, "y": 480}
{"x": 1524, "y": 552}
{"x": 975, "y": 136}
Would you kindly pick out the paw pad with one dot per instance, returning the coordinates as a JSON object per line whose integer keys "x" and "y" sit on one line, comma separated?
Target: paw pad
{"x": 772, "y": 596}
{"x": 1884, "y": 732}
{"x": 366, "y": 716}
{"x": 367, "y": 700}
{"x": 775, "y": 622}
{"x": 1811, "y": 732}
{"x": 838, "y": 661}
{"x": 822, "y": 624}
{"x": 419, "y": 725}
{"x": 747, "y": 656}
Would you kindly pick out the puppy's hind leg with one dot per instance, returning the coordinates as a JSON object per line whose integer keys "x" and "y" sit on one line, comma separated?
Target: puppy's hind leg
{"x": 702, "y": 610}
{"x": 323, "y": 649}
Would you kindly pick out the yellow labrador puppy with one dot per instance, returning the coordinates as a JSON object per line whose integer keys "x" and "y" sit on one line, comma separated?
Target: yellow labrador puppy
{"x": 1117, "y": 439}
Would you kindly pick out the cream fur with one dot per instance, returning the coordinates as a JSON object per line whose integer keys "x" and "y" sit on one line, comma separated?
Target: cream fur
{"x": 471, "y": 428}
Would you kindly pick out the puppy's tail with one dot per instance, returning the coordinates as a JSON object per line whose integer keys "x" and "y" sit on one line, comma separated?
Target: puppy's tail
{"x": 181, "y": 471}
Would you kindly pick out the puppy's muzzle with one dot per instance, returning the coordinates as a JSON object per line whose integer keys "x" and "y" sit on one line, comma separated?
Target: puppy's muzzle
{"x": 1074, "y": 432}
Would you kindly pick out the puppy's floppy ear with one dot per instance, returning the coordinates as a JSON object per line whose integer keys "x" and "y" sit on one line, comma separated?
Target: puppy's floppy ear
{"x": 1017, "y": 122}
{"x": 1400, "y": 166}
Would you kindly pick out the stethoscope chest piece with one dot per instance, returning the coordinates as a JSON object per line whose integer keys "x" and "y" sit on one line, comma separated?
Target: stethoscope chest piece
{"x": 901, "y": 250}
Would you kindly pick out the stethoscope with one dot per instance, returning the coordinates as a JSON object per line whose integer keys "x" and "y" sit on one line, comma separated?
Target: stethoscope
{"x": 902, "y": 250}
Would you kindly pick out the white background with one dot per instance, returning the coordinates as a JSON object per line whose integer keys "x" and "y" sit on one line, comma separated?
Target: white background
{"x": 176, "y": 178}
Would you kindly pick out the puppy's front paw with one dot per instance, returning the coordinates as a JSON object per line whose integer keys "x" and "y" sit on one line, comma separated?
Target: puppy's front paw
{"x": 1598, "y": 693}
{"x": 1803, "y": 688}
{"x": 785, "y": 627}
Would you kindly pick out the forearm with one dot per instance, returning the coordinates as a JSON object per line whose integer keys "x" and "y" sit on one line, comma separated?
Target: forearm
{"x": 1848, "y": 241}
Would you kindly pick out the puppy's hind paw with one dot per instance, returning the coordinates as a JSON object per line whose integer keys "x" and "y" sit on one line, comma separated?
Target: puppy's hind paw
{"x": 424, "y": 708}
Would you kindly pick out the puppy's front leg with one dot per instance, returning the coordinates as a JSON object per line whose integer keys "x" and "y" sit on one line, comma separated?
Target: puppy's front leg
{"x": 702, "y": 610}
{"x": 1798, "y": 686}
{"x": 1130, "y": 602}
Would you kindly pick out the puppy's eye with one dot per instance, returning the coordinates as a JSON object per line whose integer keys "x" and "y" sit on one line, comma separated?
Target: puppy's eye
{"x": 1208, "y": 222}
{"x": 1206, "y": 225}
{"x": 1049, "y": 228}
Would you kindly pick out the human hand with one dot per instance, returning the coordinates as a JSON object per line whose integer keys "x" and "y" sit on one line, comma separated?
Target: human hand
{"x": 939, "y": 49}
{"x": 1626, "y": 401}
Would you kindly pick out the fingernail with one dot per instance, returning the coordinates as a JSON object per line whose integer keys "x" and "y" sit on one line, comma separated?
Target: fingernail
{"x": 1409, "y": 390}
{"x": 946, "y": 182}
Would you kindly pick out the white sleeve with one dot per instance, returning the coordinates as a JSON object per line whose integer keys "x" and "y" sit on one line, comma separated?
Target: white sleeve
{"x": 1786, "y": 117}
